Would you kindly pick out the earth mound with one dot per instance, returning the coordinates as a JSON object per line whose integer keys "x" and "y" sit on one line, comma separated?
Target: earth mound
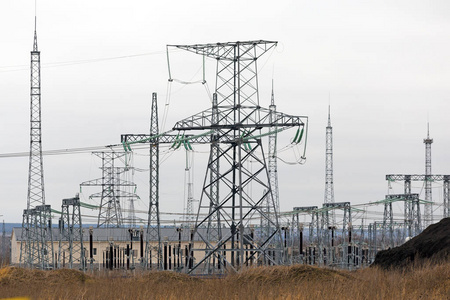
{"x": 17, "y": 276}
{"x": 287, "y": 275}
{"x": 431, "y": 246}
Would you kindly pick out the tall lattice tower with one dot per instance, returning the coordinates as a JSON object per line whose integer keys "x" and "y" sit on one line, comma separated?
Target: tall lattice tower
{"x": 329, "y": 188}
{"x": 36, "y": 195}
{"x": 428, "y": 213}
{"x": 235, "y": 123}
{"x": 153, "y": 252}
{"x": 35, "y": 251}
{"x": 272, "y": 161}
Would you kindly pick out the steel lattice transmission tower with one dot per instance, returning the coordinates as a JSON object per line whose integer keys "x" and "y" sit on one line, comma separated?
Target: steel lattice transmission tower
{"x": 329, "y": 185}
{"x": 235, "y": 122}
{"x": 34, "y": 234}
{"x": 110, "y": 211}
{"x": 153, "y": 224}
{"x": 428, "y": 213}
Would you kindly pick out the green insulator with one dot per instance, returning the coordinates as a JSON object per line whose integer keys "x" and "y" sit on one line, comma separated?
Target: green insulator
{"x": 301, "y": 135}
{"x": 296, "y": 135}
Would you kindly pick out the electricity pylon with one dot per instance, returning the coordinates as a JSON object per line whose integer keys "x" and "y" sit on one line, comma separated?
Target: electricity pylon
{"x": 236, "y": 121}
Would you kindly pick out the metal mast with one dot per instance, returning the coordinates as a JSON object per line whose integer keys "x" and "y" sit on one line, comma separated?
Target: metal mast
{"x": 428, "y": 213}
{"x": 34, "y": 226}
{"x": 329, "y": 188}
{"x": 272, "y": 166}
{"x": 190, "y": 219}
{"x": 154, "y": 225}
{"x": 235, "y": 124}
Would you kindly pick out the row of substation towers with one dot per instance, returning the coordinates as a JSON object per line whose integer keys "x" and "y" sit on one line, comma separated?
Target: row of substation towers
{"x": 339, "y": 243}
{"x": 233, "y": 227}
{"x": 225, "y": 233}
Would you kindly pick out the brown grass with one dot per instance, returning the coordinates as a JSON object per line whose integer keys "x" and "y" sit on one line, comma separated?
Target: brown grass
{"x": 294, "y": 282}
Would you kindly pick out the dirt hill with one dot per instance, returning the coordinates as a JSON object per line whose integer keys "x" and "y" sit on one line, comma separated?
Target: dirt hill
{"x": 431, "y": 246}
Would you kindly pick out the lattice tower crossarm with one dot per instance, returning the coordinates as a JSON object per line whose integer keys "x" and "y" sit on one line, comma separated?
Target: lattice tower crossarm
{"x": 237, "y": 123}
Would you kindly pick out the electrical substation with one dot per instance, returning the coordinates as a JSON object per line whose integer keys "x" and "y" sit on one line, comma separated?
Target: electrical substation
{"x": 236, "y": 221}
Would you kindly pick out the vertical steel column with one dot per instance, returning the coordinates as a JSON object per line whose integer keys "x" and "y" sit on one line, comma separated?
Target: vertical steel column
{"x": 388, "y": 223}
{"x": 211, "y": 190}
{"x": 446, "y": 195}
{"x": 154, "y": 225}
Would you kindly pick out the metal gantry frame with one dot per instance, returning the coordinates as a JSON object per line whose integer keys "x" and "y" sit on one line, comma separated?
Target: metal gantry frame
{"x": 71, "y": 230}
{"x": 407, "y": 179}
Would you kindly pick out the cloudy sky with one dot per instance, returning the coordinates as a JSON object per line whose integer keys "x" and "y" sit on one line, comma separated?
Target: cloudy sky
{"x": 382, "y": 65}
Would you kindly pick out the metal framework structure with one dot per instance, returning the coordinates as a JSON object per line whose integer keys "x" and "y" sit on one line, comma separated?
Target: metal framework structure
{"x": 272, "y": 162}
{"x": 190, "y": 218}
{"x": 412, "y": 219}
{"x": 329, "y": 185}
{"x": 428, "y": 211}
{"x": 445, "y": 179}
{"x": 34, "y": 250}
{"x": 153, "y": 224}
{"x": 110, "y": 212}
{"x": 71, "y": 230}
{"x": 236, "y": 123}
{"x": 328, "y": 231}
{"x": 297, "y": 229}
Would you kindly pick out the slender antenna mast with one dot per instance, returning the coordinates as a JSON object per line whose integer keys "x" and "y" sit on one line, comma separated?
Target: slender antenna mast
{"x": 428, "y": 214}
{"x": 329, "y": 184}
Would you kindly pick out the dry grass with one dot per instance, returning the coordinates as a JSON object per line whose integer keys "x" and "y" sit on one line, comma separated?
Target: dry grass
{"x": 295, "y": 282}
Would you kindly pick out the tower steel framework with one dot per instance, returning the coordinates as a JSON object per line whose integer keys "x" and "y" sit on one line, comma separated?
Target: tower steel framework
{"x": 110, "y": 211}
{"x": 272, "y": 161}
{"x": 71, "y": 230}
{"x": 445, "y": 179}
{"x": 329, "y": 184}
{"x": 34, "y": 249}
{"x": 428, "y": 210}
{"x": 236, "y": 122}
{"x": 153, "y": 224}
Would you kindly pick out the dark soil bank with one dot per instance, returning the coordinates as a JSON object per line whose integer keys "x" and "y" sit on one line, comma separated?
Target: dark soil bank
{"x": 432, "y": 245}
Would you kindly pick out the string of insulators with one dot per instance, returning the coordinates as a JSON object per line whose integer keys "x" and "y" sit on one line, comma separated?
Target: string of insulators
{"x": 182, "y": 141}
{"x": 126, "y": 147}
{"x": 298, "y": 135}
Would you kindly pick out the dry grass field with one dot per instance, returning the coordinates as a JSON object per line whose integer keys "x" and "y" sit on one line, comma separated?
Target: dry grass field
{"x": 295, "y": 282}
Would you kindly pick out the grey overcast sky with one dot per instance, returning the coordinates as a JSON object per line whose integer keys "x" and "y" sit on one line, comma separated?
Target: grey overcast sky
{"x": 383, "y": 65}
